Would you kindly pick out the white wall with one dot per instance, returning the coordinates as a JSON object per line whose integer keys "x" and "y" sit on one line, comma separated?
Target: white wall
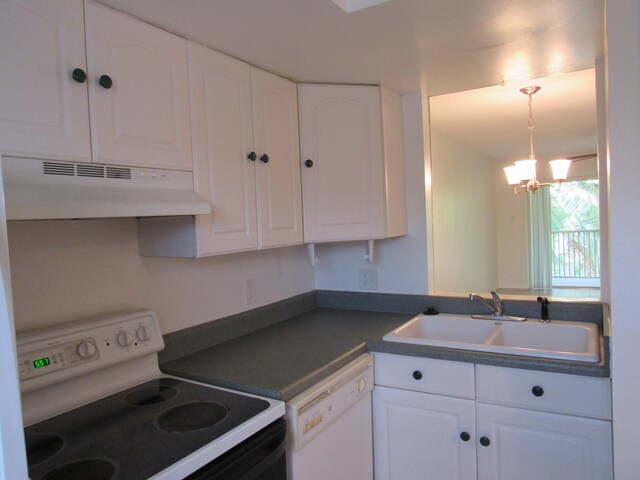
{"x": 69, "y": 270}
{"x": 13, "y": 460}
{"x": 464, "y": 217}
{"x": 401, "y": 262}
{"x": 622, "y": 25}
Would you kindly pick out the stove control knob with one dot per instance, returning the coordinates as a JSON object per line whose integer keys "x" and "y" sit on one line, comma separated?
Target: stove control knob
{"x": 124, "y": 339}
{"x": 143, "y": 333}
{"x": 86, "y": 349}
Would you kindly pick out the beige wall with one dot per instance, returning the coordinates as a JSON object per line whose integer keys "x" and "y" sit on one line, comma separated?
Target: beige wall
{"x": 512, "y": 239}
{"x": 464, "y": 217}
{"x": 69, "y": 270}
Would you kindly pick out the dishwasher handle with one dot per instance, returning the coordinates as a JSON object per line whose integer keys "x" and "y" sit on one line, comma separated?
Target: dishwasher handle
{"x": 313, "y": 411}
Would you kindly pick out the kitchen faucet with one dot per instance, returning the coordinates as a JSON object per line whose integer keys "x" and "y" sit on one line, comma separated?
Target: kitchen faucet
{"x": 496, "y": 306}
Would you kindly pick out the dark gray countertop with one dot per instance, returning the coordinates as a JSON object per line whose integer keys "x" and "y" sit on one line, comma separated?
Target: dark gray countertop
{"x": 284, "y": 359}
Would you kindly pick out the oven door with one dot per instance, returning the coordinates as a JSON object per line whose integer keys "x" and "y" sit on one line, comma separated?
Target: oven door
{"x": 260, "y": 457}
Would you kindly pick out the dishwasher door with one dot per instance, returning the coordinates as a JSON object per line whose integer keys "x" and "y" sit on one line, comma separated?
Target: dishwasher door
{"x": 330, "y": 426}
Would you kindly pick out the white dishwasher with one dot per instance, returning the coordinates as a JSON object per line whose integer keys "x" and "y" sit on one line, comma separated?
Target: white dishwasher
{"x": 329, "y": 426}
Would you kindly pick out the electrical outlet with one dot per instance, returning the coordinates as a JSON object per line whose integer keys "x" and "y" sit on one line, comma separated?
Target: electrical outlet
{"x": 368, "y": 278}
{"x": 250, "y": 291}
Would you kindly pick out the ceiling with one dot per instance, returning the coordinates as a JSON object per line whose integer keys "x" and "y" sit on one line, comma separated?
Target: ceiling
{"x": 493, "y": 121}
{"x": 428, "y": 46}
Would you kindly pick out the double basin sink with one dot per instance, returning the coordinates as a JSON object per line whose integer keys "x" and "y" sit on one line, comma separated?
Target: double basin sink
{"x": 565, "y": 340}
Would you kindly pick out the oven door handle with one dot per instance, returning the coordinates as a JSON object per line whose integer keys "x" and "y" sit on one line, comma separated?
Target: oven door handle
{"x": 259, "y": 468}
{"x": 261, "y": 456}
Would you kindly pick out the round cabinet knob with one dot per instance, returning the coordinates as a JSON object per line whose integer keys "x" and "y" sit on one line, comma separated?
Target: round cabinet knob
{"x": 86, "y": 349}
{"x": 264, "y": 158}
{"x": 417, "y": 374}
{"x": 252, "y": 156}
{"x": 79, "y": 75}
{"x": 537, "y": 391}
{"x": 105, "y": 81}
{"x": 143, "y": 333}
{"x": 308, "y": 163}
{"x": 465, "y": 437}
{"x": 124, "y": 339}
{"x": 484, "y": 441}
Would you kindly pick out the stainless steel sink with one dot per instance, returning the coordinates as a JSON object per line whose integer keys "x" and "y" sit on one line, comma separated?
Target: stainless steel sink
{"x": 575, "y": 341}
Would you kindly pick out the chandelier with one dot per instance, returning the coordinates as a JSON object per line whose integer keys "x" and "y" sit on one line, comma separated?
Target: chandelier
{"x": 522, "y": 175}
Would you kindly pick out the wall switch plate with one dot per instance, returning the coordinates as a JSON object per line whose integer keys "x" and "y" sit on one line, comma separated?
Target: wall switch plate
{"x": 250, "y": 291}
{"x": 368, "y": 278}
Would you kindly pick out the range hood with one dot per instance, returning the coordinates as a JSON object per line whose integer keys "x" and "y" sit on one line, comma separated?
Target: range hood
{"x": 43, "y": 189}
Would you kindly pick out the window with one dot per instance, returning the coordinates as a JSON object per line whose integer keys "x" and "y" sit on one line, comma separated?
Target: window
{"x": 575, "y": 235}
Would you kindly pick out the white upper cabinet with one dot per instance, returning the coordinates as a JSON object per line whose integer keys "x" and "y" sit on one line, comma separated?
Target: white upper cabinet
{"x": 247, "y": 163}
{"x": 130, "y": 86}
{"x": 276, "y": 141}
{"x": 44, "y": 111}
{"x": 353, "y": 174}
{"x": 138, "y": 92}
{"x": 223, "y": 139}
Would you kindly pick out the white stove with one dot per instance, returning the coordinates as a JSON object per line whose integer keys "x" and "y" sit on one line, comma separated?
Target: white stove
{"x": 96, "y": 406}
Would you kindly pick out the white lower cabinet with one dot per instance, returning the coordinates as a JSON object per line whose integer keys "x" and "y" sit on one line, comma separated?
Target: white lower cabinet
{"x": 423, "y": 429}
{"x": 530, "y": 445}
{"x": 419, "y": 435}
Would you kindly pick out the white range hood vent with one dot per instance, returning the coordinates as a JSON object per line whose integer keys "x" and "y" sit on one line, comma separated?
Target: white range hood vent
{"x": 43, "y": 189}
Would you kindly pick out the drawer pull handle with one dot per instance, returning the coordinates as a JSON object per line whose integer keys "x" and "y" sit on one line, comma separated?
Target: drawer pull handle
{"x": 465, "y": 437}
{"x": 417, "y": 374}
{"x": 537, "y": 391}
{"x": 484, "y": 441}
{"x": 252, "y": 156}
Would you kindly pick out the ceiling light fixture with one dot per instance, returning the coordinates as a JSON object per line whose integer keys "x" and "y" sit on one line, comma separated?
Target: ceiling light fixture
{"x": 351, "y": 6}
{"x": 522, "y": 175}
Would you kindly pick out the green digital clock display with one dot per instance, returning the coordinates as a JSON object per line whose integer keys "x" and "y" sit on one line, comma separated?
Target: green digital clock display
{"x": 41, "y": 362}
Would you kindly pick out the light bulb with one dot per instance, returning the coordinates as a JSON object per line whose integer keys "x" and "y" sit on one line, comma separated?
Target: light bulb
{"x": 513, "y": 174}
{"x": 560, "y": 168}
{"x": 527, "y": 169}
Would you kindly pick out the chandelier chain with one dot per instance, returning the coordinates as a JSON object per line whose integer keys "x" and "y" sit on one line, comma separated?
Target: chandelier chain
{"x": 531, "y": 127}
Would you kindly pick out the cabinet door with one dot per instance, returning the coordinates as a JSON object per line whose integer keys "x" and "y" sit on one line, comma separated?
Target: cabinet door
{"x": 44, "y": 110}
{"x": 275, "y": 127}
{"x": 418, "y": 436}
{"x": 223, "y": 138}
{"x": 143, "y": 118}
{"x": 530, "y": 445}
{"x": 343, "y": 191}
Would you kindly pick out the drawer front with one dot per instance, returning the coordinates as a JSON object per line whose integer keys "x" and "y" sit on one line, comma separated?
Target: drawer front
{"x": 551, "y": 392}
{"x": 425, "y": 375}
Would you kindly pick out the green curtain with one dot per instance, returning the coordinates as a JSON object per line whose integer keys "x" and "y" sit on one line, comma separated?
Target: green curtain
{"x": 540, "y": 238}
